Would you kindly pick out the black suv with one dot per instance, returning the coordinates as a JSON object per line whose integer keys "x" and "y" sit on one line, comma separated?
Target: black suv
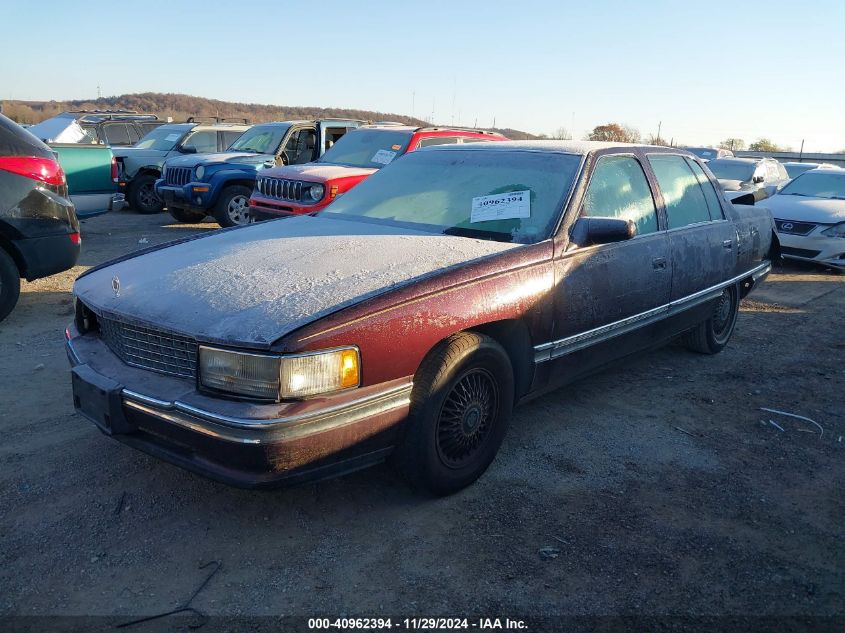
{"x": 39, "y": 232}
{"x": 118, "y": 128}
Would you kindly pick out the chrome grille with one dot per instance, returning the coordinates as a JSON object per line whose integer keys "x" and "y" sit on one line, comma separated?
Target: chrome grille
{"x": 280, "y": 188}
{"x": 150, "y": 348}
{"x": 177, "y": 176}
{"x": 794, "y": 228}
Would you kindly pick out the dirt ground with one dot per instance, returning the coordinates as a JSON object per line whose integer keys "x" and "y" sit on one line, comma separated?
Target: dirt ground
{"x": 655, "y": 488}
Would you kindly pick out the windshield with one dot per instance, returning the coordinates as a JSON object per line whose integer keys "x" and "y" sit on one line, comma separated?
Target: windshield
{"x": 367, "y": 148}
{"x": 261, "y": 139}
{"x": 162, "y": 138}
{"x": 799, "y": 168}
{"x": 732, "y": 169}
{"x": 507, "y": 196}
{"x": 818, "y": 185}
{"x": 703, "y": 152}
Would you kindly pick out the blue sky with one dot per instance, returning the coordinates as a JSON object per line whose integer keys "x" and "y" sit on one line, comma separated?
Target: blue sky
{"x": 707, "y": 70}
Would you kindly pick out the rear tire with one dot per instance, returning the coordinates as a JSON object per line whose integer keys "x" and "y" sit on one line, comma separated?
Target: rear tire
{"x": 143, "y": 196}
{"x": 460, "y": 408}
{"x": 711, "y": 336}
{"x": 10, "y": 284}
{"x": 188, "y": 216}
{"x": 232, "y": 208}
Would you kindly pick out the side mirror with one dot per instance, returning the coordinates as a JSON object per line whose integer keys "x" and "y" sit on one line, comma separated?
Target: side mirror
{"x": 757, "y": 179}
{"x": 592, "y": 231}
{"x": 186, "y": 150}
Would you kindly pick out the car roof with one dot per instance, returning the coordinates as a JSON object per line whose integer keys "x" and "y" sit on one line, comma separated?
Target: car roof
{"x": 565, "y": 147}
{"x": 826, "y": 170}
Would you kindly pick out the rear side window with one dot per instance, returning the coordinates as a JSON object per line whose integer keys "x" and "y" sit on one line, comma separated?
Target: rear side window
{"x": 229, "y": 138}
{"x": 133, "y": 134}
{"x": 682, "y": 193}
{"x": 437, "y": 140}
{"x": 709, "y": 192}
{"x": 619, "y": 189}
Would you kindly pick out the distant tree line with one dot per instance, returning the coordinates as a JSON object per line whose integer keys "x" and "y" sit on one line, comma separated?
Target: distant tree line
{"x": 180, "y": 107}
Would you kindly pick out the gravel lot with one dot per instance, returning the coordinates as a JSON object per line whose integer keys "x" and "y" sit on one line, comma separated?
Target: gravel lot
{"x": 654, "y": 488}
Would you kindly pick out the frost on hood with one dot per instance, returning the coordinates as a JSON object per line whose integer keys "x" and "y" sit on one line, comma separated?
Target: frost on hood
{"x": 256, "y": 284}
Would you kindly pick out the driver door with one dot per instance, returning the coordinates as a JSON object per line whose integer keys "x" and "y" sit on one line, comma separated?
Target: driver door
{"x": 604, "y": 294}
{"x": 300, "y": 147}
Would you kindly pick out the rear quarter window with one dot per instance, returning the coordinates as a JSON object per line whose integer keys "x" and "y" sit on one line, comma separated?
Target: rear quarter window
{"x": 710, "y": 194}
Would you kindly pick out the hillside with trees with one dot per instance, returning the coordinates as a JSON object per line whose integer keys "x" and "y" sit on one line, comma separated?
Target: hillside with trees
{"x": 180, "y": 107}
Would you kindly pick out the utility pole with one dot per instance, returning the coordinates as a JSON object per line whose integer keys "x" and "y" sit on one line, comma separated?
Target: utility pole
{"x": 659, "y": 126}
{"x": 99, "y": 94}
{"x": 801, "y": 153}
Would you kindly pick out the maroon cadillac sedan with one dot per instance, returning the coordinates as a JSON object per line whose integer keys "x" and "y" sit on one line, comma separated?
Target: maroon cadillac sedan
{"x": 408, "y": 319}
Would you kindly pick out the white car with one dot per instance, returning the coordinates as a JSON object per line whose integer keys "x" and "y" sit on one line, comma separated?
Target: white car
{"x": 795, "y": 169}
{"x": 810, "y": 216}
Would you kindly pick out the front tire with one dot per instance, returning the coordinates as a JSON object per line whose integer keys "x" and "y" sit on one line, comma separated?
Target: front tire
{"x": 711, "y": 336}
{"x": 232, "y": 209}
{"x": 143, "y": 196}
{"x": 460, "y": 408}
{"x": 188, "y": 216}
{"x": 10, "y": 284}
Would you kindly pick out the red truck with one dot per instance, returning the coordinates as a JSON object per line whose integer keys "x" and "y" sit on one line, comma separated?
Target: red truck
{"x": 300, "y": 189}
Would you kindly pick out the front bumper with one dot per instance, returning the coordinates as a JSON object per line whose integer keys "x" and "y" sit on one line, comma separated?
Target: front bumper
{"x": 196, "y": 196}
{"x": 239, "y": 443}
{"x": 815, "y": 248}
{"x": 267, "y": 209}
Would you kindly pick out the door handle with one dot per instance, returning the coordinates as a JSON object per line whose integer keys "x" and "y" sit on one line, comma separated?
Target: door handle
{"x": 728, "y": 244}
{"x": 658, "y": 263}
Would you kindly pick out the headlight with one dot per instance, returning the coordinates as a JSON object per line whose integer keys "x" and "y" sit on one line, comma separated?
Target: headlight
{"x": 837, "y": 230}
{"x": 274, "y": 377}
{"x": 163, "y": 170}
{"x": 200, "y": 172}
{"x": 316, "y": 192}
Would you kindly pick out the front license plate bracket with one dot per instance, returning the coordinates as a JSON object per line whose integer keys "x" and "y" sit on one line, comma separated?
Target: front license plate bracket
{"x": 99, "y": 399}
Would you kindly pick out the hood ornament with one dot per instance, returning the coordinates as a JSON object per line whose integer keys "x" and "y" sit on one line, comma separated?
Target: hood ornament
{"x": 115, "y": 286}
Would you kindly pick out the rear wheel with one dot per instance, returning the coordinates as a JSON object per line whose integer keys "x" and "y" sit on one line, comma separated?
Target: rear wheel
{"x": 460, "y": 409}
{"x": 188, "y": 216}
{"x": 711, "y": 336}
{"x": 143, "y": 196}
{"x": 10, "y": 284}
{"x": 232, "y": 209}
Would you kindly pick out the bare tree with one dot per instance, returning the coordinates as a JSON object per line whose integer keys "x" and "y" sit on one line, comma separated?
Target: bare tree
{"x": 561, "y": 134}
{"x": 733, "y": 144}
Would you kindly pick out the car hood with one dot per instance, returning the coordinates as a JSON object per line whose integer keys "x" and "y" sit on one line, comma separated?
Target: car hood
{"x": 318, "y": 172}
{"x": 255, "y": 284}
{"x": 818, "y": 210}
{"x": 240, "y": 158}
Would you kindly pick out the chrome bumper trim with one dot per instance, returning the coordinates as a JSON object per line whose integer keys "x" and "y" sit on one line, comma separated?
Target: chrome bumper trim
{"x": 258, "y": 431}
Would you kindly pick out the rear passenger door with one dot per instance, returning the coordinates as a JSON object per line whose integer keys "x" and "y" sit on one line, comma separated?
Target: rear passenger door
{"x": 702, "y": 241}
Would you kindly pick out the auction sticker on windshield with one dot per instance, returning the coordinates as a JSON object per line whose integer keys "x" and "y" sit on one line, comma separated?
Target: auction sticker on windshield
{"x": 501, "y": 206}
{"x": 172, "y": 137}
{"x": 383, "y": 156}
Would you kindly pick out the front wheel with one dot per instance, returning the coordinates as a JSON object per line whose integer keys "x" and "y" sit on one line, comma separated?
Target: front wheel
{"x": 232, "y": 209}
{"x": 460, "y": 408}
{"x": 10, "y": 284}
{"x": 188, "y": 216}
{"x": 711, "y": 336}
{"x": 143, "y": 196}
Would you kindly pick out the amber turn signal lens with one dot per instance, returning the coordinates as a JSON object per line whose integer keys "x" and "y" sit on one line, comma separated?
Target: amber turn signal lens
{"x": 349, "y": 371}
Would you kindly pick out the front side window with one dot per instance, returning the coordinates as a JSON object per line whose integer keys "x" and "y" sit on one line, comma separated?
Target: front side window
{"x": 506, "y": 196}
{"x": 301, "y": 146}
{"x": 682, "y": 193}
{"x": 116, "y": 134}
{"x": 619, "y": 189}
{"x": 260, "y": 139}
{"x": 205, "y": 141}
{"x": 162, "y": 139}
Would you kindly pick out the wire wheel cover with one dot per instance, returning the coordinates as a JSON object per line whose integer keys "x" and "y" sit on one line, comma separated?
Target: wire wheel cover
{"x": 467, "y": 416}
